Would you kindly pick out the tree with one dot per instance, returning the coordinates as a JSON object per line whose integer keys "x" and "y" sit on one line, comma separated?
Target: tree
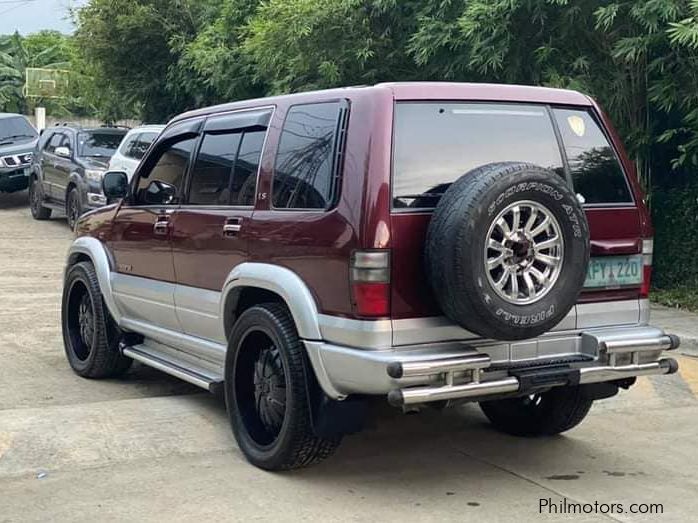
{"x": 311, "y": 44}
{"x": 132, "y": 49}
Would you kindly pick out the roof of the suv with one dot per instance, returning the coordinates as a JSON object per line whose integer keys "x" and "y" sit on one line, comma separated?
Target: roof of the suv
{"x": 78, "y": 128}
{"x": 423, "y": 91}
{"x": 11, "y": 115}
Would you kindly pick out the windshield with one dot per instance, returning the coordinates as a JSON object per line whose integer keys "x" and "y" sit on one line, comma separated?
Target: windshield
{"x": 98, "y": 145}
{"x": 15, "y": 129}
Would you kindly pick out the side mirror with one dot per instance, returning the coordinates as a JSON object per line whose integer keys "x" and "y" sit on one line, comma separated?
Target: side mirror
{"x": 115, "y": 185}
{"x": 160, "y": 193}
{"x": 63, "y": 152}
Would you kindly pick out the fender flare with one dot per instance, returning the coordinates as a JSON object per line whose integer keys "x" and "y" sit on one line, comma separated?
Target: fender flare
{"x": 98, "y": 255}
{"x": 281, "y": 281}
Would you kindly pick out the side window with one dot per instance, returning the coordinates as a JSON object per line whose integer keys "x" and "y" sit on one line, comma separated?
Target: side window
{"x": 168, "y": 166}
{"x": 246, "y": 167}
{"x": 304, "y": 173}
{"x": 596, "y": 171}
{"x": 127, "y": 144}
{"x": 66, "y": 142}
{"x": 211, "y": 176}
{"x": 53, "y": 142}
{"x": 141, "y": 144}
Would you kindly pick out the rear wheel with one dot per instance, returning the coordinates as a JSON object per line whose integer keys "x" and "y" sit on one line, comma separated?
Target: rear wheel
{"x": 39, "y": 212}
{"x": 90, "y": 335}
{"x": 539, "y": 414}
{"x": 267, "y": 395}
{"x": 73, "y": 208}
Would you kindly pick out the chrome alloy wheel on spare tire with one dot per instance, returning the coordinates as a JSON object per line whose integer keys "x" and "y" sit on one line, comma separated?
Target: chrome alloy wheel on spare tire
{"x": 524, "y": 252}
{"x": 507, "y": 250}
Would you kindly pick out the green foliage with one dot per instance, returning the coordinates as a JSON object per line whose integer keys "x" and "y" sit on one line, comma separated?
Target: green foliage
{"x": 675, "y": 218}
{"x": 46, "y": 49}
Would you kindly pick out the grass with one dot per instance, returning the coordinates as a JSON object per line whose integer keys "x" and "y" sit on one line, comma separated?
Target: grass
{"x": 677, "y": 297}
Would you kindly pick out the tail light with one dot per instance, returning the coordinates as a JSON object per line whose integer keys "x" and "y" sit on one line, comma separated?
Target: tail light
{"x": 647, "y": 248}
{"x": 370, "y": 283}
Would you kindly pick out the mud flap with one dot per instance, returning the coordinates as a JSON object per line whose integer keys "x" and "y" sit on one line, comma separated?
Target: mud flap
{"x": 329, "y": 417}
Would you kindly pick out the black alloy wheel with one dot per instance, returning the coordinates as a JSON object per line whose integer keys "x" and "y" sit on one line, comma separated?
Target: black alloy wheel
{"x": 73, "y": 210}
{"x": 90, "y": 335}
{"x": 267, "y": 393}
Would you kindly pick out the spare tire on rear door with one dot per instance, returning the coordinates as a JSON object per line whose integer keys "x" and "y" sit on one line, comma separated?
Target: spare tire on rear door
{"x": 507, "y": 250}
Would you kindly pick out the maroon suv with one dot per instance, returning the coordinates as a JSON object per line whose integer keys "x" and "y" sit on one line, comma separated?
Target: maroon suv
{"x": 424, "y": 242}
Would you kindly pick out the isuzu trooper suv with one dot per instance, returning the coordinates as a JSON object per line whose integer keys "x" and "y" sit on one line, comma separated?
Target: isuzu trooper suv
{"x": 431, "y": 243}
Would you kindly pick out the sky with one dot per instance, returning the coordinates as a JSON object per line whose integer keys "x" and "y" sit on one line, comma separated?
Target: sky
{"x": 29, "y": 16}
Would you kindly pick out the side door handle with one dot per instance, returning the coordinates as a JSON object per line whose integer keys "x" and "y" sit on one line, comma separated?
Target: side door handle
{"x": 162, "y": 225}
{"x": 232, "y": 226}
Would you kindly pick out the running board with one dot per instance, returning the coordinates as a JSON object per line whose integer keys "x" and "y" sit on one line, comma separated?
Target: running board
{"x": 179, "y": 369}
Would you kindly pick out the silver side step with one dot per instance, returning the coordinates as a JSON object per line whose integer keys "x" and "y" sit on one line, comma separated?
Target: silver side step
{"x": 195, "y": 375}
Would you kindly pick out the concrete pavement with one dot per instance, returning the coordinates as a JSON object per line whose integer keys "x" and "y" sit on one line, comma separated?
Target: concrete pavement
{"x": 151, "y": 448}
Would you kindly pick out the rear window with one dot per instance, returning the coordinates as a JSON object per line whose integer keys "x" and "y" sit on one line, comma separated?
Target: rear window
{"x": 98, "y": 145}
{"x": 596, "y": 172}
{"x": 436, "y": 143}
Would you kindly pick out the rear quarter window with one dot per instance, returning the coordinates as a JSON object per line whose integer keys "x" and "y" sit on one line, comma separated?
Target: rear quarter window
{"x": 436, "y": 143}
{"x": 596, "y": 172}
{"x": 306, "y": 172}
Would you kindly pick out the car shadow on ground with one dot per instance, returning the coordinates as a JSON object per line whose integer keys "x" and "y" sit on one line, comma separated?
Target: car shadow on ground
{"x": 14, "y": 200}
{"x": 429, "y": 450}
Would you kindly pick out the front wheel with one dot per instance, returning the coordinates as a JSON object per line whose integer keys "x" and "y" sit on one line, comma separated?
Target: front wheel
{"x": 90, "y": 335}
{"x": 539, "y": 414}
{"x": 266, "y": 393}
{"x": 39, "y": 212}
{"x": 73, "y": 208}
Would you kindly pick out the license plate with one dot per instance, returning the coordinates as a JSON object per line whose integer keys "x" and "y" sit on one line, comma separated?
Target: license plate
{"x": 614, "y": 271}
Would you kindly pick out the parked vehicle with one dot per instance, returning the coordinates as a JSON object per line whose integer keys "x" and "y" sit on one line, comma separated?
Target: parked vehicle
{"x": 424, "y": 242}
{"x": 133, "y": 148}
{"x": 17, "y": 141}
{"x": 69, "y": 162}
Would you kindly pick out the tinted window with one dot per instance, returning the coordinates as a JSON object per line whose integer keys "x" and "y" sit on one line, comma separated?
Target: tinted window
{"x": 170, "y": 166}
{"x": 436, "y": 143}
{"x": 246, "y": 167}
{"x": 210, "y": 184}
{"x": 140, "y": 145}
{"x": 97, "y": 145}
{"x": 53, "y": 142}
{"x": 596, "y": 172}
{"x": 303, "y": 174}
{"x": 15, "y": 129}
{"x": 126, "y": 144}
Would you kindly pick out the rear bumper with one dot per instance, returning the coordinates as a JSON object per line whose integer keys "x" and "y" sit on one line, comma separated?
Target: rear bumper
{"x": 461, "y": 371}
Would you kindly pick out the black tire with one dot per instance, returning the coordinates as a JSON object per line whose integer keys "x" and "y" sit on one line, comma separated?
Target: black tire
{"x": 541, "y": 414}
{"x": 271, "y": 417}
{"x": 73, "y": 208}
{"x": 455, "y": 253}
{"x": 90, "y": 337}
{"x": 39, "y": 212}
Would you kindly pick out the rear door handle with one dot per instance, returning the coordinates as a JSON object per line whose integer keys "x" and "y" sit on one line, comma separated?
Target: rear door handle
{"x": 232, "y": 226}
{"x": 162, "y": 225}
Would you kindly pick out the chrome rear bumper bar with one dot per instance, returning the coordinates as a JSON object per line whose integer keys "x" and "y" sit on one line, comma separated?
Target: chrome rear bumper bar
{"x": 480, "y": 390}
{"x": 477, "y": 370}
